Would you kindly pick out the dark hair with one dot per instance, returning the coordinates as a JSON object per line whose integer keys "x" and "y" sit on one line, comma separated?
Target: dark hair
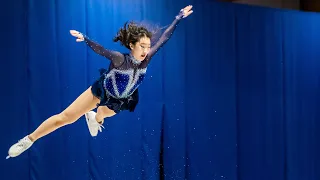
{"x": 131, "y": 33}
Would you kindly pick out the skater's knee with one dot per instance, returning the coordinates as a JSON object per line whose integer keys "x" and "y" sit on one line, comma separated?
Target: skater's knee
{"x": 65, "y": 118}
{"x": 104, "y": 112}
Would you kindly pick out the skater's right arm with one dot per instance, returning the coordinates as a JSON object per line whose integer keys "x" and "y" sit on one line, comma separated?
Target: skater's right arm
{"x": 116, "y": 57}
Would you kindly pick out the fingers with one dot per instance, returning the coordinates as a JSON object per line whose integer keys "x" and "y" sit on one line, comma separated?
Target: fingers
{"x": 188, "y": 8}
{"x": 74, "y": 32}
{"x": 78, "y": 35}
{"x": 187, "y": 11}
{"x": 187, "y": 14}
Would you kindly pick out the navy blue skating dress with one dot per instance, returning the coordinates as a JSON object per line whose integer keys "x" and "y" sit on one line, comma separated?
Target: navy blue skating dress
{"x": 117, "y": 87}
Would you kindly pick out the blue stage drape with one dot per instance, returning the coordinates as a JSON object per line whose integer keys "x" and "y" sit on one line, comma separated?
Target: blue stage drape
{"x": 234, "y": 94}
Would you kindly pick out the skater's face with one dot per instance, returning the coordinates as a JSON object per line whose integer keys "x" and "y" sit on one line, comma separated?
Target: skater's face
{"x": 140, "y": 49}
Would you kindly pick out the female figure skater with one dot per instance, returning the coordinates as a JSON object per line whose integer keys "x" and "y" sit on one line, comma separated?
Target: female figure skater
{"x": 116, "y": 89}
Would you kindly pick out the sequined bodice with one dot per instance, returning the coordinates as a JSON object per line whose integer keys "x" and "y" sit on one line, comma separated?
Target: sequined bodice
{"x": 122, "y": 83}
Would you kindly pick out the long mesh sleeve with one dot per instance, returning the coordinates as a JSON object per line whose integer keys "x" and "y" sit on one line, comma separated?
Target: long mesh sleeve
{"x": 116, "y": 57}
{"x": 165, "y": 36}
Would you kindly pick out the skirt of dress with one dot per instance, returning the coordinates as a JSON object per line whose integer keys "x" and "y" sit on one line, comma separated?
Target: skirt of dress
{"x": 129, "y": 103}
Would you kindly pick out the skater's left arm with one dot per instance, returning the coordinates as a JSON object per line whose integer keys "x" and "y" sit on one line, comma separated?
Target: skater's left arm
{"x": 169, "y": 31}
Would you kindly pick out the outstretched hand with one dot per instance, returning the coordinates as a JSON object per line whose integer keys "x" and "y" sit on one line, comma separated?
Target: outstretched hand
{"x": 77, "y": 34}
{"x": 187, "y": 11}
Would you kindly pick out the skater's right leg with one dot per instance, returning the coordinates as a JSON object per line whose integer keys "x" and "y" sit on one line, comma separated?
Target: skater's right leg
{"x": 84, "y": 103}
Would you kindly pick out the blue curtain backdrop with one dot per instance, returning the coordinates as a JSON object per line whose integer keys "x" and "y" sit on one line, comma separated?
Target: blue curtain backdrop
{"x": 234, "y": 94}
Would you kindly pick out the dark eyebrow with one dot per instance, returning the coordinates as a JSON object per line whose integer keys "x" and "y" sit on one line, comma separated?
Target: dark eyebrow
{"x": 145, "y": 44}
